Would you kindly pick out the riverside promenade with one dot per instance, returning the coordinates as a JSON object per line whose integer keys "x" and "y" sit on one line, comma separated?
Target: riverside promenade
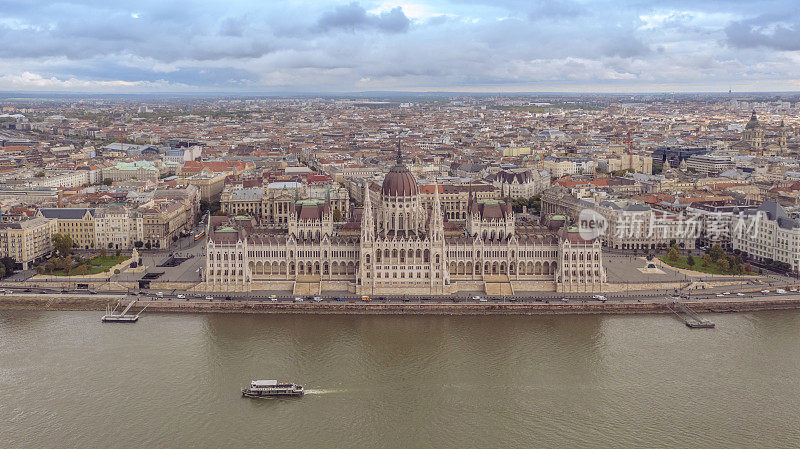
{"x": 439, "y": 306}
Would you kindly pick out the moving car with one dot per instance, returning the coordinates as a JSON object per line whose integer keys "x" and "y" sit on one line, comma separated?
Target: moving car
{"x": 340, "y": 299}
{"x": 476, "y": 298}
{"x": 273, "y": 297}
{"x": 599, "y": 298}
{"x": 366, "y": 298}
{"x": 298, "y": 299}
{"x": 181, "y": 296}
{"x": 318, "y": 298}
{"x": 765, "y": 291}
{"x": 740, "y": 294}
{"x": 210, "y": 298}
{"x": 780, "y": 290}
{"x": 160, "y": 294}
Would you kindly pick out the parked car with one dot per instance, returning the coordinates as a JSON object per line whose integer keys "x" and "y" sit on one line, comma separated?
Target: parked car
{"x": 727, "y": 293}
{"x": 273, "y": 297}
{"x": 781, "y": 291}
{"x": 599, "y": 298}
{"x": 476, "y": 298}
{"x": 740, "y": 294}
{"x": 764, "y": 292}
{"x": 793, "y": 290}
{"x": 340, "y": 299}
{"x": 210, "y": 298}
{"x": 160, "y": 294}
{"x": 318, "y": 298}
{"x": 298, "y": 299}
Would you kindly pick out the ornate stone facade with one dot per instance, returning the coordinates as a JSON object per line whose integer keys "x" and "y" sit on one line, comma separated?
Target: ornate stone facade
{"x": 400, "y": 247}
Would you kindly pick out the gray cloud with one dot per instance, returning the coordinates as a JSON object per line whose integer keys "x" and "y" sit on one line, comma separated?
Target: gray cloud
{"x": 353, "y": 17}
{"x": 325, "y": 45}
{"x": 555, "y": 9}
{"x": 767, "y": 32}
{"x": 625, "y": 47}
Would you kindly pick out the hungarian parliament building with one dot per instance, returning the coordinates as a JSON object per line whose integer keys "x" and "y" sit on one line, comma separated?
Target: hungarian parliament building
{"x": 401, "y": 245}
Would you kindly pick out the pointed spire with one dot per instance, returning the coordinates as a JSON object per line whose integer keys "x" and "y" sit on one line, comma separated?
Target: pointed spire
{"x": 367, "y": 201}
{"x": 367, "y": 223}
{"x": 399, "y": 153}
{"x": 437, "y": 221}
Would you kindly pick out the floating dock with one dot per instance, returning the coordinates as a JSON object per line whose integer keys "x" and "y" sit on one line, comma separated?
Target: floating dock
{"x": 689, "y": 317}
{"x": 123, "y": 317}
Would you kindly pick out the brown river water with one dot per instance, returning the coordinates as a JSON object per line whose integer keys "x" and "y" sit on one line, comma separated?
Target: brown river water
{"x": 174, "y": 381}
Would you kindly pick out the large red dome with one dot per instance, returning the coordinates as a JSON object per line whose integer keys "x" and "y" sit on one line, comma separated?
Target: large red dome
{"x": 399, "y": 182}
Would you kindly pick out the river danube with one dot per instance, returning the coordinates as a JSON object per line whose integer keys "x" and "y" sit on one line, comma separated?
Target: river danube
{"x": 66, "y": 380}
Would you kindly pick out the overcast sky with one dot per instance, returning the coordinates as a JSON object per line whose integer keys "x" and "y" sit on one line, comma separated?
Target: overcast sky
{"x": 426, "y": 45}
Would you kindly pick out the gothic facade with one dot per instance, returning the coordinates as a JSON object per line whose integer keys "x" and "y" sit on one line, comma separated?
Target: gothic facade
{"x": 402, "y": 245}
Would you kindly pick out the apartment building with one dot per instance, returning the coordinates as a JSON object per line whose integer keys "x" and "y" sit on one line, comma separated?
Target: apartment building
{"x": 768, "y": 233}
{"x": 138, "y": 170}
{"x": 163, "y": 223}
{"x": 78, "y": 223}
{"x": 709, "y": 164}
{"x": 27, "y": 241}
{"x": 118, "y": 227}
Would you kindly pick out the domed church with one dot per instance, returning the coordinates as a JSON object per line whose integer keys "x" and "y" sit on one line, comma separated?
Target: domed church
{"x": 400, "y": 248}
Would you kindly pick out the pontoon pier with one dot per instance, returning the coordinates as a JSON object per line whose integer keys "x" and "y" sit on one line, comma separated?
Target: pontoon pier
{"x": 688, "y": 316}
{"x": 123, "y": 317}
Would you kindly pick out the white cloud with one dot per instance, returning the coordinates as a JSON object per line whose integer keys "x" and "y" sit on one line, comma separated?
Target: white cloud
{"x": 33, "y": 81}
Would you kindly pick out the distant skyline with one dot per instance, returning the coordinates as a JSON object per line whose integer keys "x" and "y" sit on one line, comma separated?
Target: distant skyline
{"x": 469, "y": 46}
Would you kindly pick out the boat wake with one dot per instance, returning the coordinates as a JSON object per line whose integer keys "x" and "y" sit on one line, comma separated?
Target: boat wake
{"x": 323, "y": 391}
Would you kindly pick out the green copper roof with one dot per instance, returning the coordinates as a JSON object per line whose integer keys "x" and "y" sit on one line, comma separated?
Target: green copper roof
{"x": 311, "y": 202}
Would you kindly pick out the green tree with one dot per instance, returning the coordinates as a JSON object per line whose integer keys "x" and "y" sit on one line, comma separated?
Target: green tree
{"x": 82, "y": 270}
{"x": 107, "y": 182}
{"x": 337, "y": 215}
{"x": 67, "y": 264}
{"x": 724, "y": 265}
{"x": 103, "y": 252}
{"x": 535, "y": 203}
{"x": 63, "y": 244}
{"x": 707, "y": 261}
{"x": 690, "y": 260}
{"x": 673, "y": 255}
{"x": 717, "y": 252}
{"x": 2, "y": 271}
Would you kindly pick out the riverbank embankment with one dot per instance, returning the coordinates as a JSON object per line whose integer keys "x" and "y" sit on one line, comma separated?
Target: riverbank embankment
{"x": 99, "y": 303}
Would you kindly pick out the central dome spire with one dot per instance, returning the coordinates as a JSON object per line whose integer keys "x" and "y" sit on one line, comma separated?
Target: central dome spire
{"x": 399, "y": 181}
